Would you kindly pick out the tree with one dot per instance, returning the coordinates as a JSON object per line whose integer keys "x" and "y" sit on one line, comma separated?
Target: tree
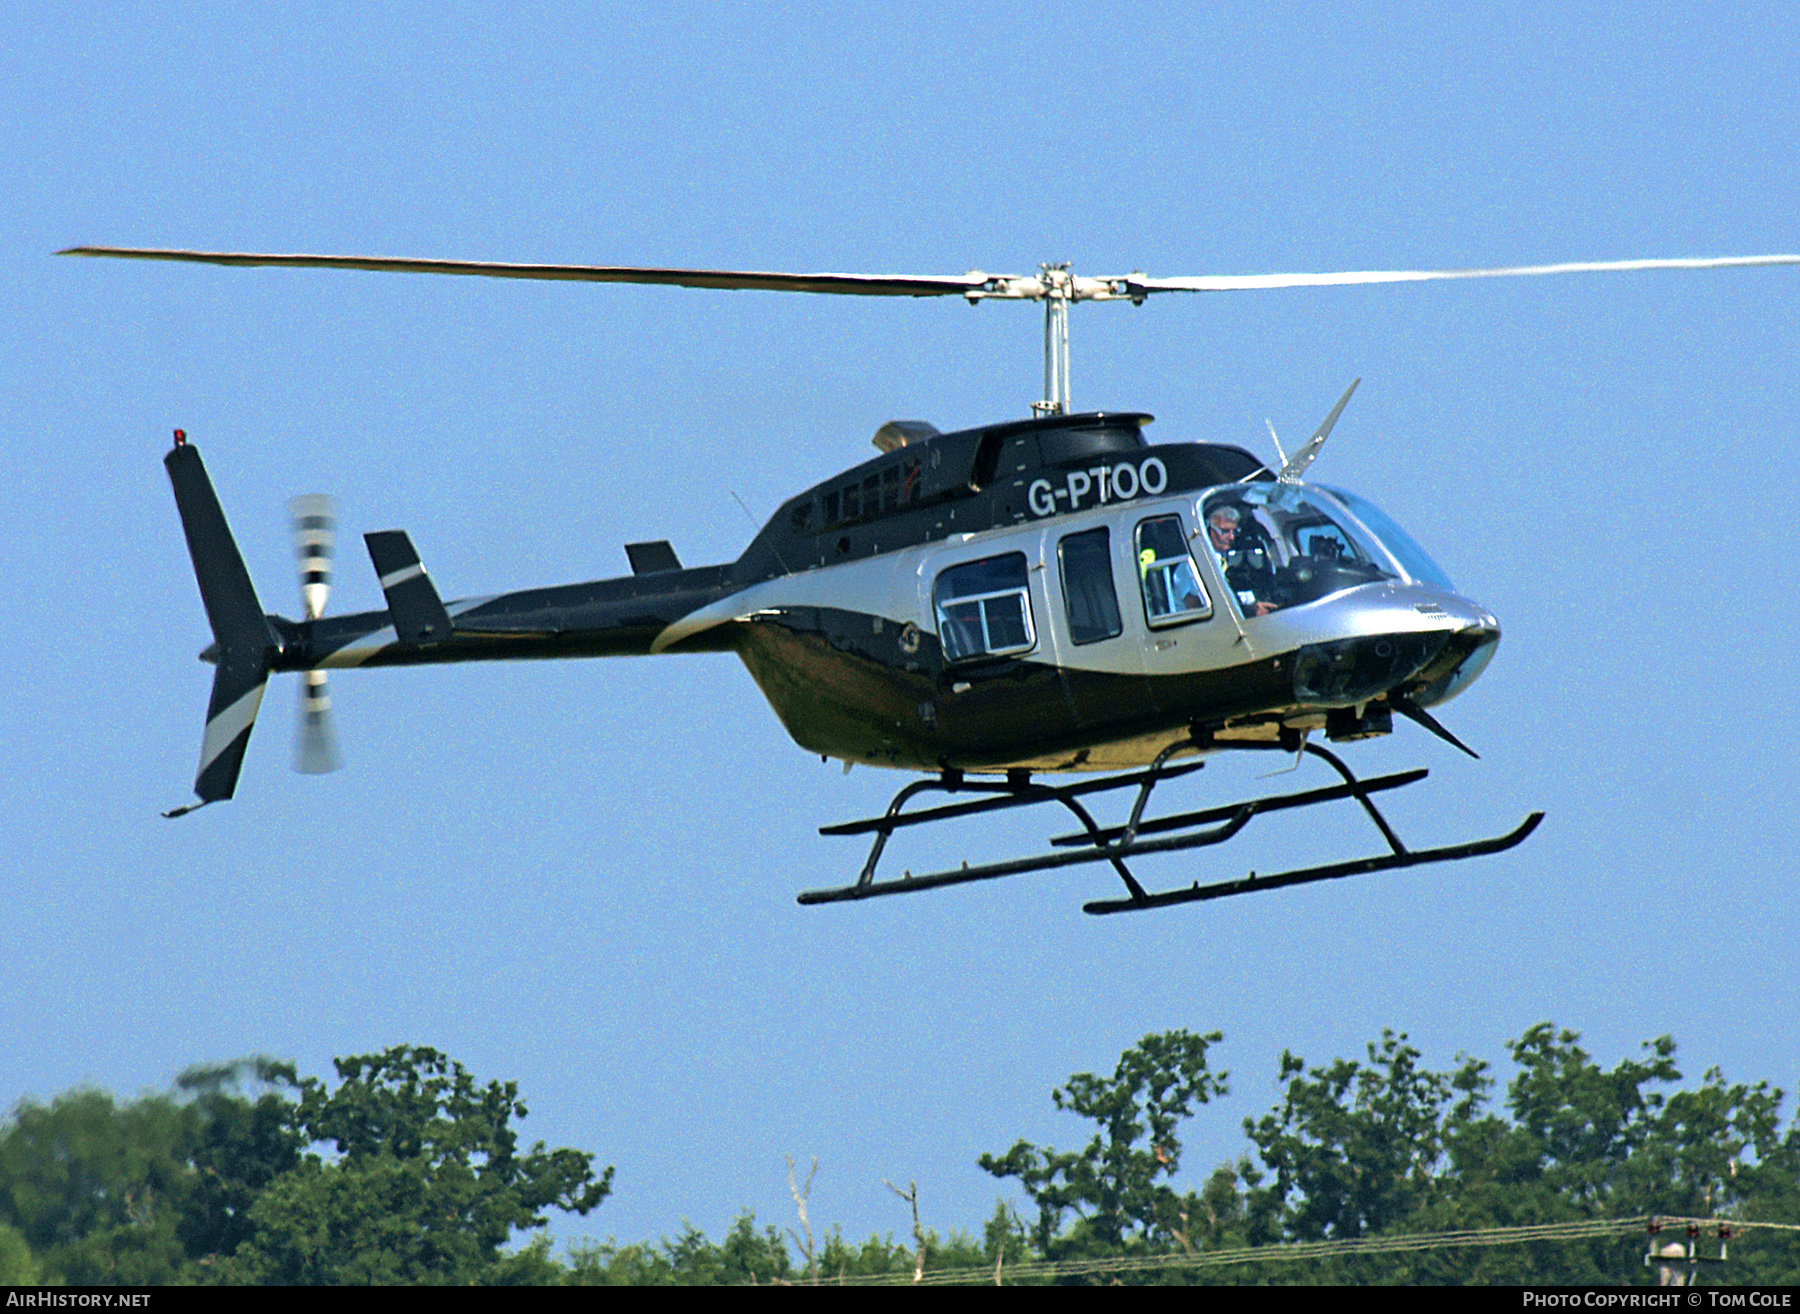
{"x": 1588, "y": 1142}
{"x": 17, "y": 1267}
{"x": 1116, "y": 1185}
{"x": 104, "y": 1192}
{"x": 238, "y": 1147}
{"x": 1354, "y": 1149}
{"x": 426, "y": 1186}
{"x": 95, "y": 1189}
{"x": 747, "y": 1256}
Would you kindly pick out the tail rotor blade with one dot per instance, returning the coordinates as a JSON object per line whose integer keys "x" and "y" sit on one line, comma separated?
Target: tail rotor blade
{"x": 315, "y": 541}
{"x": 315, "y": 746}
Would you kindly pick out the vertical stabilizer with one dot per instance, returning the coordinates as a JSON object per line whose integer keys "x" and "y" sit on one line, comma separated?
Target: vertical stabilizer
{"x": 243, "y": 638}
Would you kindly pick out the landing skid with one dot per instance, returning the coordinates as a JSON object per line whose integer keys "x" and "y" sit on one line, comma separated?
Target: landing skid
{"x": 1138, "y": 836}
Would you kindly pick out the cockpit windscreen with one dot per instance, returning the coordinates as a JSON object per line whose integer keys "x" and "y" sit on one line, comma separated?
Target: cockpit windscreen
{"x": 1412, "y": 558}
{"x": 1279, "y": 545}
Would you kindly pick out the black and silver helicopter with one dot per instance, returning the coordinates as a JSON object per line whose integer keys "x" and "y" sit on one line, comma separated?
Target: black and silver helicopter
{"x": 1052, "y": 598}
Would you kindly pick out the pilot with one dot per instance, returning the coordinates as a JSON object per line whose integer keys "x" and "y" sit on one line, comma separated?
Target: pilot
{"x": 1222, "y": 528}
{"x": 1246, "y": 564}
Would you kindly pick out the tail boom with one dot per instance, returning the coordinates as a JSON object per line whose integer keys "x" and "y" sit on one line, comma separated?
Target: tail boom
{"x": 619, "y": 617}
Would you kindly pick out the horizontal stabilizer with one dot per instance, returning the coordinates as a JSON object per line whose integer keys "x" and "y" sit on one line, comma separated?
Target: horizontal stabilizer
{"x": 652, "y": 558}
{"x": 418, "y": 613}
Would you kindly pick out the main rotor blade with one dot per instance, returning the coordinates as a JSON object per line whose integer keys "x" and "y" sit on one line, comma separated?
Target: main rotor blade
{"x": 1056, "y": 283}
{"x": 1139, "y": 284}
{"x": 867, "y": 285}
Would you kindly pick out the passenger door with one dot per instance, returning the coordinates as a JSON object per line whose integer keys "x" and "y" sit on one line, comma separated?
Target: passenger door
{"x": 1098, "y": 636}
{"x": 1174, "y": 595}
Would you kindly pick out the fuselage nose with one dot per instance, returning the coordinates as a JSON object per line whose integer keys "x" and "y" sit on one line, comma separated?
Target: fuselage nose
{"x": 1471, "y": 646}
{"x": 1473, "y": 638}
{"x": 1422, "y": 642}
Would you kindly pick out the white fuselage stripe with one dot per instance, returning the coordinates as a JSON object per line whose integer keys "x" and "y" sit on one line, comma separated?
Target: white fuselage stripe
{"x": 360, "y": 649}
{"x": 364, "y": 646}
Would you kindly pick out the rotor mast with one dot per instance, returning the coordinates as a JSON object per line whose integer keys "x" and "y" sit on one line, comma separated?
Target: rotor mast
{"x": 1056, "y": 342}
{"x": 1058, "y": 288}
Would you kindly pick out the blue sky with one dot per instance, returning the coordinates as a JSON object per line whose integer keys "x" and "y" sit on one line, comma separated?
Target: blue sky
{"x": 581, "y": 876}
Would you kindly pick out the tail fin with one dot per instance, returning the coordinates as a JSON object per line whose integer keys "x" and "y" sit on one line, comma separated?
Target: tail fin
{"x": 244, "y": 640}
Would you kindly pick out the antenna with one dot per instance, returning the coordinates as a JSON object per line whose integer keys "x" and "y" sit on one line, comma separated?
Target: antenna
{"x": 1276, "y": 439}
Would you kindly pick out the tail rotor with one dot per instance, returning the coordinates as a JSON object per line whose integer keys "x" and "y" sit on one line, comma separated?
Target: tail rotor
{"x": 314, "y": 520}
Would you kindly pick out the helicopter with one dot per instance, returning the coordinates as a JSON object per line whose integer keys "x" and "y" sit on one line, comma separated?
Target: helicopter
{"x": 1036, "y": 611}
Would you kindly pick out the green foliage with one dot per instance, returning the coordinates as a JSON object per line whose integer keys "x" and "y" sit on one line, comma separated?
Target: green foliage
{"x": 1387, "y": 1146}
{"x": 134, "y": 1193}
{"x": 93, "y": 1188}
{"x": 529, "y": 1266}
{"x": 17, "y": 1267}
{"x": 427, "y": 1186}
{"x": 1354, "y": 1149}
{"x": 408, "y": 1170}
{"x": 747, "y": 1256}
{"x": 213, "y": 1184}
{"x": 750, "y": 1256}
{"x": 1390, "y": 1147}
{"x": 242, "y": 1145}
{"x": 1114, "y": 1184}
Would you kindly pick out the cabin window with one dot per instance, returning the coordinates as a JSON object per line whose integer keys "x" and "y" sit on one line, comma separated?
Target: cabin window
{"x": 1090, "y": 601}
{"x": 1172, "y": 589}
{"x": 890, "y": 489}
{"x": 984, "y": 608}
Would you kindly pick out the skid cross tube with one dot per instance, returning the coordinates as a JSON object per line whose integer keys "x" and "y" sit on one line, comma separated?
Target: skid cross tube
{"x": 1114, "y": 844}
{"x": 1019, "y": 791}
{"x": 1205, "y": 816}
{"x": 1013, "y": 796}
{"x": 1014, "y": 792}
